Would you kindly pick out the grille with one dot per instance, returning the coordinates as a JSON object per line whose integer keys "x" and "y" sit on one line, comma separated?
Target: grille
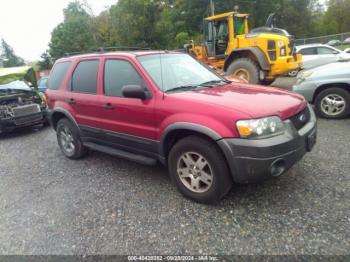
{"x": 25, "y": 110}
{"x": 301, "y": 119}
{"x": 28, "y": 119}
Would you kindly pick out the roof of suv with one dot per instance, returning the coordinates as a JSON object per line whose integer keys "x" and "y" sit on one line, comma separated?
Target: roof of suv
{"x": 117, "y": 53}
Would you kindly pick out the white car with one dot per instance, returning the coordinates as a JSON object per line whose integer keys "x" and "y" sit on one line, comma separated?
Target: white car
{"x": 315, "y": 55}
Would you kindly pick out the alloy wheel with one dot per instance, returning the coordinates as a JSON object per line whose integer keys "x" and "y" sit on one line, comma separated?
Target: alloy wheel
{"x": 333, "y": 105}
{"x": 67, "y": 140}
{"x": 195, "y": 172}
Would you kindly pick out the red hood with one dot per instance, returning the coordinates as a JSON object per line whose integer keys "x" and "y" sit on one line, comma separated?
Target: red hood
{"x": 256, "y": 101}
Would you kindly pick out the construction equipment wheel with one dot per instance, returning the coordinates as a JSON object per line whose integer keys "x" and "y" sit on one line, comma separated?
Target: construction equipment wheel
{"x": 246, "y": 69}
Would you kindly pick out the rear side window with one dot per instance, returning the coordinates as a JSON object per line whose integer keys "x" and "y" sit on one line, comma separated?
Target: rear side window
{"x": 119, "y": 73}
{"x": 326, "y": 51}
{"x": 84, "y": 79}
{"x": 308, "y": 51}
{"x": 57, "y": 75}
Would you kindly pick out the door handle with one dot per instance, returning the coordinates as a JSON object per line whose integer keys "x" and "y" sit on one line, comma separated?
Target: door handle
{"x": 108, "y": 106}
{"x": 71, "y": 101}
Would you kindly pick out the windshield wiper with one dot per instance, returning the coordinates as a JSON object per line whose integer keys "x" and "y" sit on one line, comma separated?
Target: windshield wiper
{"x": 214, "y": 82}
{"x": 205, "y": 84}
{"x": 184, "y": 87}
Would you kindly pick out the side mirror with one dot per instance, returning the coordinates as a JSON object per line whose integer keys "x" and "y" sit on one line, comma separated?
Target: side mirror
{"x": 335, "y": 52}
{"x": 134, "y": 91}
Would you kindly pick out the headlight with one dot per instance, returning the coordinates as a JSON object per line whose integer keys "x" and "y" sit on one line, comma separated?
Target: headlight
{"x": 260, "y": 128}
{"x": 306, "y": 74}
{"x": 302, "y": 76}
{"x": 299, "y": 81}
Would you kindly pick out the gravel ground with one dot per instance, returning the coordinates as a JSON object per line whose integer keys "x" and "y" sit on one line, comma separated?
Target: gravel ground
{"x": 106, "y": 205}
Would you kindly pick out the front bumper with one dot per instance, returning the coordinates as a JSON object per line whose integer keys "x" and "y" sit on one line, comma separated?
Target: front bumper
{"x": 306, "y": 89}
{"x": 9, "y": 124}
{"x": 256, "y": 160}
{"x": 286, "y": 64}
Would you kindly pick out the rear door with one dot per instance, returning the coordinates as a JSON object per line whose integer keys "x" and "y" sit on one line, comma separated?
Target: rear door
{"x": 82, "y": 94}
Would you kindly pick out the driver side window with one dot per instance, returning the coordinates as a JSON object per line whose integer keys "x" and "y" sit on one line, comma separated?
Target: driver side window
{"x": 119, "y": 73}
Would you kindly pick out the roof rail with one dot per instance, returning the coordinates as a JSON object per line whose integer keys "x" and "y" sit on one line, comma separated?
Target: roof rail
{"x": 124, "y": 48}
{"x": 77, "y": 53}
{"x": 106, "y": 49}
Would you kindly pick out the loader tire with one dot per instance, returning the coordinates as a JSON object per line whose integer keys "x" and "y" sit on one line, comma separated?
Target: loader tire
{"x": 244, "y": 68}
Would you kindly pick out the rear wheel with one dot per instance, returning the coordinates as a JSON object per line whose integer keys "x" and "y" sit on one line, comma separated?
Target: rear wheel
{"x": 293, "y": 73}
{"x": 244, "y": 68}
{"x": 69, "y": 140}
{"x": 333, "y": 103}
{"x": 199, "y": 169}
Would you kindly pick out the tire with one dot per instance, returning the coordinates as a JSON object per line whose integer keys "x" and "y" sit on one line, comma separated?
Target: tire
{"x": 244, "y": 66}
{"x": 64, "y": 126}
{"x": 195, "y": 149}
{"x": 330, "y": 97}
{"x": 293, "y": 73}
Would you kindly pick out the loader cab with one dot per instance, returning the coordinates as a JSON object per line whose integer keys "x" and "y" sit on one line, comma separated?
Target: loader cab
{"x": 220, "y": 31}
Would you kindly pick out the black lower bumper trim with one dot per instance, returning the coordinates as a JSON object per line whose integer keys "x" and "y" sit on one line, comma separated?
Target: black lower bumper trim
{"x": 256, "y": 160}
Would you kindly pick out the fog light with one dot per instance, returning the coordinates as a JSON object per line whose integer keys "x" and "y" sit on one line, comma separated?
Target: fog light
{"x": 278, "y": 167}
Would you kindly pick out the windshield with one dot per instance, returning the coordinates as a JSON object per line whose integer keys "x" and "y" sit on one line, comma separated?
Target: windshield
{"x": 172, "y": 71}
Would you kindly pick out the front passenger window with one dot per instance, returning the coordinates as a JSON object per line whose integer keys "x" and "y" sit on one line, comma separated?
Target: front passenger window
{"x": 119, "y": 73}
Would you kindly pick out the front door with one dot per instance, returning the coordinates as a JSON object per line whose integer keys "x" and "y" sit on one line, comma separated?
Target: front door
{"x": 129, "y": 123}
{"x": 209, "y": 38}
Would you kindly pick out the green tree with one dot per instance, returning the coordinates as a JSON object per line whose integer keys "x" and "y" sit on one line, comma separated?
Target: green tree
{"x": 75, "y": 34}
{"x": 337, "y": 19}
{"x": 133, "y": 22}
{"x": 9, "y": 57}
{"x": 46, "y": 61}
{"x": 102, "y": 30}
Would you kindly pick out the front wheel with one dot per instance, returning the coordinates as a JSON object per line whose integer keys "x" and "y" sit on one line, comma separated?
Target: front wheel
{"x": 246, "y": 69}
{"x": 333, "y": 103}
{"x": 199, "y": 169}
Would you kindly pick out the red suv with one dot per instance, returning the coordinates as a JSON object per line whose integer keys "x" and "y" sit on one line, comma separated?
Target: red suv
{"x": 150, "y": 106}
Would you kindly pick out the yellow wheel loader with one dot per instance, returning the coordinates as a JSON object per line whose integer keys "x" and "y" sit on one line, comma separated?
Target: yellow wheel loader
{"x": 257, "y": 56}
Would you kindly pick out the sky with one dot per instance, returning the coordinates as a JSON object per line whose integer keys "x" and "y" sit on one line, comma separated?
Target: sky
{"x": 26, "y": 25}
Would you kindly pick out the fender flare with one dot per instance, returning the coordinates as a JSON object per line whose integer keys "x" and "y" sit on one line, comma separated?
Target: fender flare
{"x": 256, "y": 51}
{"x": 188, "y": 127}
{"x": 66, "y": 113}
